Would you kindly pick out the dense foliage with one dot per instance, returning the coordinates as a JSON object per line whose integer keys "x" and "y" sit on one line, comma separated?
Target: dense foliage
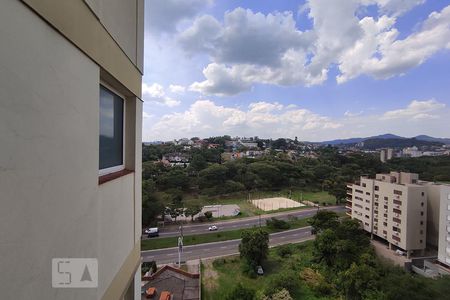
{"x": 208, "y": 175}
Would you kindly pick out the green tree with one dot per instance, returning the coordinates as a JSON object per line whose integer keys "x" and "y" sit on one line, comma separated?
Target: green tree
{"x": 254, "y": 246}
{"x": 283, "y": 294}
{"x": 197, "y": 163}
{"x": 359, "y": 280}
{"x": 212, "y": 176}
{"x": 324, "y": 219}
{"x": 192, "y": 209}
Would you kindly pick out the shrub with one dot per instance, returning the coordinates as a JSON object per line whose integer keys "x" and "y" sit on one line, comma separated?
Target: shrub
{"x": 274, "y": 223}
{"x": 208, "y": 215}
{"x": 283, "y": 280}
{"x": 284, "y": 251}
{"x": 249, "y": 270}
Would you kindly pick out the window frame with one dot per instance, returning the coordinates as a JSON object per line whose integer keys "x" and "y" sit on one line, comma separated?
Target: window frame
{"x": 118, "y": 168}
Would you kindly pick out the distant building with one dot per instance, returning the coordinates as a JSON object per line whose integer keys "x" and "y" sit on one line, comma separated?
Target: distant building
{"x": 250, "y": 145}
{"x": 411, "y": 152}
{"x": 176, "y": 159}
{"x": 386, "y": 154}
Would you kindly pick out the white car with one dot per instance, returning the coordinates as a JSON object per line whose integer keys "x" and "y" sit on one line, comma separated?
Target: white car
{"x": 212, "y": 228}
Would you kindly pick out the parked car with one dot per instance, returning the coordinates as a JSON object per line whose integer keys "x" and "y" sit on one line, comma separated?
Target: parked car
{"x": 259, "y": 270}
{"x": 152, "y": 232}
{"x": 213, "y": 228}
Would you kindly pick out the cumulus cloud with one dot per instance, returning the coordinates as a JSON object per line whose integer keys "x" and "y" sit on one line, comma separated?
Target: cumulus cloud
{"x": 165, "y": 15}
{"x": 250, "y": 47}
{"x": 380, "y": 54}
{"x": 204, "y": 118}
{"x": 271, "y": 119}
{"x": 177, "y": 89}
{"x": 416, "y": 110}
{"x": 155, "y": 93}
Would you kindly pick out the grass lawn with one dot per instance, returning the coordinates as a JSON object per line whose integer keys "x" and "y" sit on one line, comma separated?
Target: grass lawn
{"x": 158, "y": 243}
{"x": 228, "y": 273}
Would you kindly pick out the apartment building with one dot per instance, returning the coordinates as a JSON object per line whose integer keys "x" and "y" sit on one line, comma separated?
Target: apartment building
{"x": 439, "y": 215}
{"x": 70, "y": 145}
{"x": 386, "y": 154}
{"x": 393, "y": 207}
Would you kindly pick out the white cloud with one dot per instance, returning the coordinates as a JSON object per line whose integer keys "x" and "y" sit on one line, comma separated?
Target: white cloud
{"x": 264, "y": 107}
{"x": 380, "y": 54}
{"x": 270, "y": 119}
{"x": 416, "y": 110}
{"x": 177, "y": 89}
{"x": 395, "y": 7}
{"x": 146, "y": 115}
{"x": 205, "y": 118}
{"x": 165, "y": 15}
{"x": 249, "y": 48}
{"x": 155, "y": 93}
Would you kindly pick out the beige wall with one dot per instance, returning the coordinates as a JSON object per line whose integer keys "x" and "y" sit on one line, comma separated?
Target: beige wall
{"x": 444, "y": 225}
{"x": 51, "y": 204}
{"x": 373, "y": 204}
{"x": 124, "y": 21}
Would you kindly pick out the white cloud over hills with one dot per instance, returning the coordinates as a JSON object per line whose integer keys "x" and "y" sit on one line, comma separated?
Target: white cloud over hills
{"x": 271, "y": 119}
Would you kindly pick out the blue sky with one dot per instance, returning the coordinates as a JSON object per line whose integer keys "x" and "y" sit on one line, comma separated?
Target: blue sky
{"x": 315, "y": 69}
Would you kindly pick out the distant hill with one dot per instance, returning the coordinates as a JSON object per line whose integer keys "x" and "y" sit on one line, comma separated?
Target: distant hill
{"x": 372, "y": 144}
{"x": 387, "y": 136}
{"x": 358, "y": 140}
{"x": 432, "y": 139}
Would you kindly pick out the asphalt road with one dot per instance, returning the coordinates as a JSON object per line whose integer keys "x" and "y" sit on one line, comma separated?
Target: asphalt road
{"x": 242, "y": 223}
{"x": 216, "y": 249}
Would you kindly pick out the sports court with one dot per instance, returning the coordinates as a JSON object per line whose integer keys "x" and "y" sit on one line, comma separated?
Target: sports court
{"x": 275, "y": 203}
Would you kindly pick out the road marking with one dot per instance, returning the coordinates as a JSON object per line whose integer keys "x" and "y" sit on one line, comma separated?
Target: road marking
{"x": 223, "y": 247}
{"x": 206, "y": 249}
{"x": 247, "y": 224}
{"x": 234, "y": 226}
{"x": 282, "y": 237}
{"x": 171, "y": 254}
{"x": 187, "y": 252}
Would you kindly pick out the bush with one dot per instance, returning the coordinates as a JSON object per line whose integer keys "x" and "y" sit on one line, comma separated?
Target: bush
{"x": 284, "y": 251}
{"x": 274, "y": 223}
{"x": 249, "y": 270}
{"x": 241, "y": 292}
{"x": 284, "y": 280}
{"x": 208, "y": 215}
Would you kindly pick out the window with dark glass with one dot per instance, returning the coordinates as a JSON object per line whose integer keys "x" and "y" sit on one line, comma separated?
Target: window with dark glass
{"x": 111, "y": 129}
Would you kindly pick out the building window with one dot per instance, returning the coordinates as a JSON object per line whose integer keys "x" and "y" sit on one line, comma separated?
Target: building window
{"x": 363, "y": 185}
{"x": 396, "y": 192}
{"x": 421, "y": 241}
{"x": 423, "y": 194}
{"x": 386, "y": 198}
{"x": 111, "y": 158}
{"x": 421, "y": 213}
{"x": 422, "y": 204}
{"x": 377, "y": 188}
{"x": 421, "y": 222}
